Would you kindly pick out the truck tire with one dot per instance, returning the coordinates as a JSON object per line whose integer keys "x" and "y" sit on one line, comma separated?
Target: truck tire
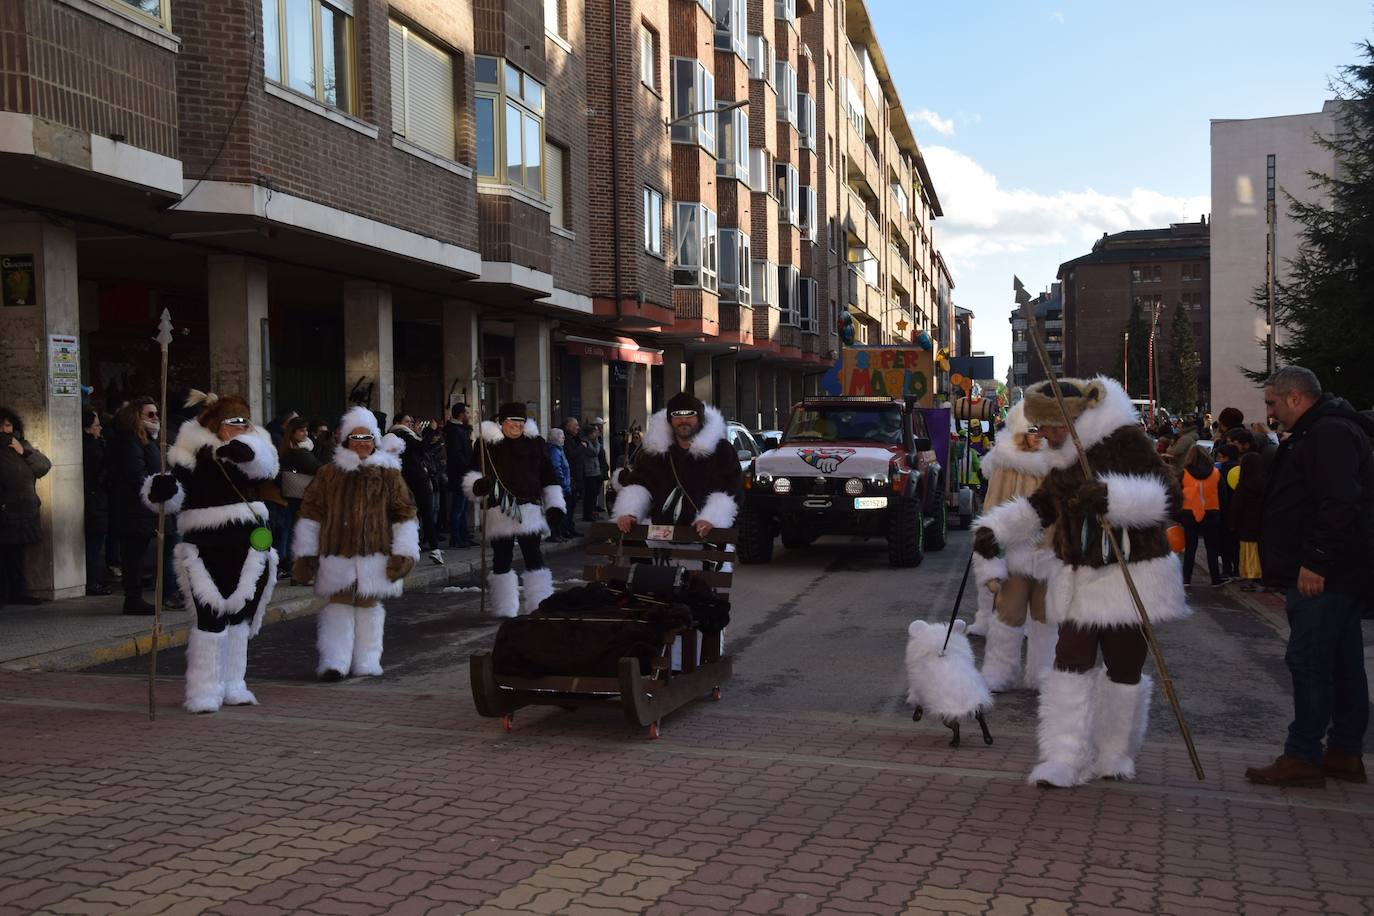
{"x": 795, "y": 540}
{"x": 905, "y": 534}
{"x": 936, "y": 527}
{"x": 755, "y": 537}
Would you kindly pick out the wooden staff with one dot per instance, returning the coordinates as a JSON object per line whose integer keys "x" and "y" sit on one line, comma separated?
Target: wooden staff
{"x": 1145, "y": 625}
{"x": 481, "y": 510}
{"x": 164, "y": 340}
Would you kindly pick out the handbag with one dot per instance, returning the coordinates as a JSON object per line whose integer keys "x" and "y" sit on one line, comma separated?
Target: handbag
{"x": 294, "y": 484}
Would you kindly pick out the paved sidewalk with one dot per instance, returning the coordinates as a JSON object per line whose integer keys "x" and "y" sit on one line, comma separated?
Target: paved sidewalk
{"x": 81, "y": 632}
{"x": 359, "y": 798}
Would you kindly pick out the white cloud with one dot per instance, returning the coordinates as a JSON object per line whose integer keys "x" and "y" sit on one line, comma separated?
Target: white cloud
{"x": 1058, "y": 16}
{"x": 942, "y": 126}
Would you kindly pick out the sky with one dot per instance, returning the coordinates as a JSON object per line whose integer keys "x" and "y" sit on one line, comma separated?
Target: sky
{"x": 1045, "y": 123}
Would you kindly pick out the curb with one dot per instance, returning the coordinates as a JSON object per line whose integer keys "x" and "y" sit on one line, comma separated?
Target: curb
{"x": 88, "y": 655}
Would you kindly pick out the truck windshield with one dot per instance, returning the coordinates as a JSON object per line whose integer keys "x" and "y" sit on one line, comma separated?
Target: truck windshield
{"x": 845, "y": 422}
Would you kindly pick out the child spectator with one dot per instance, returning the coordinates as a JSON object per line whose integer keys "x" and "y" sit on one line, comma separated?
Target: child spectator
{"x": 1246, "y": 518}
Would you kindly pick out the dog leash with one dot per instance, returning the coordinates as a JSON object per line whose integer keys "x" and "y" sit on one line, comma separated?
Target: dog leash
{"x": 958, "y": 599}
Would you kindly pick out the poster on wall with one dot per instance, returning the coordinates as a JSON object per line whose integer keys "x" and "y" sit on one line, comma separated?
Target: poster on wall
{"x": 64, "y": 366}
{"x": 18, "y": 283}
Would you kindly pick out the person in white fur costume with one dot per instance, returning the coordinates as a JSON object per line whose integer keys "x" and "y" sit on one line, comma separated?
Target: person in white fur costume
{"x": 215, "y": 467}
{"x": 1092, "y": 723}
{"x": 356, "y": 537}
{"x": 1018, "y": 582}
{"x": 523, "y": 499}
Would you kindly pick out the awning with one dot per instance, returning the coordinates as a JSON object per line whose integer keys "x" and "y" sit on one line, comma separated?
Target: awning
{"x": 621, "y": 348}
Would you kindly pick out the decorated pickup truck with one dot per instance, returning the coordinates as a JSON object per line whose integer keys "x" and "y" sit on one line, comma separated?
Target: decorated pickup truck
{"x": 849, "y": 466}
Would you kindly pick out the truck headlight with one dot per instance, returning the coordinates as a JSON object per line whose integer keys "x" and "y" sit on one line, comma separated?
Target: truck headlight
{"x": 853, "y": 486}
{"x": 782, "y": 485}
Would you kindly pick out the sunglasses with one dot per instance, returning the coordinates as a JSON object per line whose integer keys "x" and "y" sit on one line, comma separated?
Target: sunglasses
{"x": 513, "y": 420}
{"x": 149, "y": 414}
{"x": 683, "y": 413}
{"x": 360, "y": 437}
{"x": 236, "y": 421}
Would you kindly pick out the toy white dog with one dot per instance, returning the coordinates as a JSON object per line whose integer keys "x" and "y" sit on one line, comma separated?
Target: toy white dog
{"x": 945, "y": 683}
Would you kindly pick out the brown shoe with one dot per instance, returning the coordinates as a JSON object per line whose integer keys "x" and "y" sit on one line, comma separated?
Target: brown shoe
{"x": 1345, "y": 767}
{"x": 1288, "y": 771}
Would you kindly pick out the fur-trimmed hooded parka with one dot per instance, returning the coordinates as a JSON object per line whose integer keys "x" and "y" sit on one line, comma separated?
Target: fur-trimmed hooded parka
{"x": 524, "y": 484}
{"x": 670, "y": 485}
{"x": 217, "y": 505}
{"x": 356, "y": 514}
{"x": 1142, "y": 497}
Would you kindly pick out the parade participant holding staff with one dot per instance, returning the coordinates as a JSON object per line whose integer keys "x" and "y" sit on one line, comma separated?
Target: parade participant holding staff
{"x": 522, "y": 498}
{"x": 1092, "y": 724}
{"x": 225, "y": 563}
{"x": 356, "y": 537}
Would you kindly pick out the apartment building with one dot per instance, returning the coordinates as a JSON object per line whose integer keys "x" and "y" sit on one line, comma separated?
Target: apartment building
{"x": 586, "y": 205}
{"x": 1048, "y": 311}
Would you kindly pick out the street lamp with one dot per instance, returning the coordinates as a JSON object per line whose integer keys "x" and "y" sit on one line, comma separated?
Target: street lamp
{"x": 668, "y": 125}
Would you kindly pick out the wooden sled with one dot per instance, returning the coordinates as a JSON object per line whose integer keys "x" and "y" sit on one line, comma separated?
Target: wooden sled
{"x": 645, "y": 698}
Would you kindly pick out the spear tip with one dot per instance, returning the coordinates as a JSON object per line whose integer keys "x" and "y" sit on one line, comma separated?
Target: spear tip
{"x": 164, "y": 329}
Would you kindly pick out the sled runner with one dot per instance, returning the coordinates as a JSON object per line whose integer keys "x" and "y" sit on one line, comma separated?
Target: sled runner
{"x": 654, "y": 590}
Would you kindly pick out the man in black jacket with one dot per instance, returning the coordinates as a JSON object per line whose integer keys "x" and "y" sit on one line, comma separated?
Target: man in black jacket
{"x": 458, "y": 450}
{"x": 1318, "y": 543}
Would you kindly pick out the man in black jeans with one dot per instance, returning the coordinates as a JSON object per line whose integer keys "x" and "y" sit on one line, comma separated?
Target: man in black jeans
{"x": 1318, "y": 543}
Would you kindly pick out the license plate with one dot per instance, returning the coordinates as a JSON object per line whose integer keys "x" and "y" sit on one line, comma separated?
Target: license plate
{"x": 870, "y": 502}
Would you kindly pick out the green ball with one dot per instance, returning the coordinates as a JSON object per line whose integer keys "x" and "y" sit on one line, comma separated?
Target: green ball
{"x": 260, "y": 539}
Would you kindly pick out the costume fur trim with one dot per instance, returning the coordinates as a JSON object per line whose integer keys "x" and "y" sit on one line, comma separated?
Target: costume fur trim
{"x": 658, "y": 435}
{"x": 634, "y": 500}
{"x": 948, "y": 685}
{"x": 173, "y": 505}
{"x": 470, "y": 478}
{"x": 491, "y": 430}
{"x": 348, "y": 461}
{"x": 1007, "y": 453}
{"x": 1014, "y": 522}
{"x": 366, "y": 573}
{"x": 405, "y": 539}
{"x": 720, "y": 510}
{"x": 986, "y": 570}
{"x": 368, "y": 626}
{"x": 1113, "y": 411}
{"x": 305, "y": 538}
{"x": 393, "y": 445}
{"x": 334, "y": 638}
{"x": 538, "y": 585}
{"x": 1099, "y": 597}
{"x": 194, "y": 580}
{"x": 1119, "y": 726}
{"x": 353, "y": 418}
{"x": 209, "y": 518}
{"x": 192, "y": 437}
{"x": 553, "y": 498}
{"x": 1041, "y": 641}
{"x": 503, "y": 594}
{"x": 234, "y": 665}
{"x": 501, "y": 525}
{"x": 204, "y": 682}
{"x": 1066, "y": 713}
{"x": 1136, "y": 501}
{"x": 1002, "y": 656}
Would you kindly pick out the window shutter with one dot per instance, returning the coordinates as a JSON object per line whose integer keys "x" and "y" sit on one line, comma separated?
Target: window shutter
{"x": 398, "y": 79}
{"x": 429, "y": 97}
{"x": 553, "y": 184}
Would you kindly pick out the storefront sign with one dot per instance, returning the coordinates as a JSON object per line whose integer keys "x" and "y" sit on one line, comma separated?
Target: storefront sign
{"x": 64, "y": 366}
{"x": 18, "y": 280}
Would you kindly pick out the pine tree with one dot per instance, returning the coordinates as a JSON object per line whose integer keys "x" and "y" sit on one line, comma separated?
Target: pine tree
{"x": 1180, "y": 392}
{"x": 1138, "y": 351}
{"x": 1326, "y": 304}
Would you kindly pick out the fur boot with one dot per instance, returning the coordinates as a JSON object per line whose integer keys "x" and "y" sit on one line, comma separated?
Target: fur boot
{"x": 234, "y": 665}
{"x": 204, "y": 686}
{"x": 334, "y": 639}
{"x": 368, "y": 623}
{"x": 1066, "y": 712}
{"x": 984, "y": 615}
{"x": 1122, "y": 716}
{"x": 538, "y": 585}
{"x": 1002, "y": 656}
{"x": 503, "y": 594}
{"x": 1041, "y": 640}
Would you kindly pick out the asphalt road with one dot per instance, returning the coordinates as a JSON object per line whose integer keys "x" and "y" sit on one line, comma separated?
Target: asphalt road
{"x": 820, "y": 632}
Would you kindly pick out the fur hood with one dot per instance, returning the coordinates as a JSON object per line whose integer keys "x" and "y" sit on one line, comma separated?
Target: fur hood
{"x": 658, "y": 437}
{"x": 192, "y": 437}
{"x": 358, "y": 416}
{"x": 1112, "y": 411}
{"x": 387, "y": 454}
{"x": 1007, "y": 454}
{"x": 491, "y": 431}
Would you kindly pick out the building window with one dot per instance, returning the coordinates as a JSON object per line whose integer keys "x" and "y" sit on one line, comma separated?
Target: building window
{"x": 829, "y": 69}
{"x": 308, "y": 47}
{"x": 760, "y": 170}
{"x": 695, "y": 246}
{"x": 761, "y": 62}
{"x": 764, "y": 282}
{"x": 694, "y": 101}
{"x": 510, "y": 125}
{"x": 806, "y": 121}
{"x": 785, "y": 9}
{"x": 788, "y": 299}
{"x": 807, "y": 305}
{"x": 556, "y": 183}
{"x": 653, "y": 222}
{"x": 807, "y": 217}
{"x": 1192, "y": 271}
{"x": 732, "y": 143}
{"x": 731, "y": 20}
{"x": 556, "y": 18}
{"x": 422, "y": 103}
{"x": 854, "y": 106}
{"x": 787, "y": 92}
{"x": 734, "y": 266}
{"x": 1146, "y": 273}
{"x": 648, "y": 57}
{"x": 788, "y": 193}
{"x": 1191, "y": 301}
{"x": 154, "y": 12}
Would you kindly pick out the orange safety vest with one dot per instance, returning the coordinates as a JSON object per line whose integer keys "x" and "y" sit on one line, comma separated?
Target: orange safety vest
{"x": 1200, "y": 496}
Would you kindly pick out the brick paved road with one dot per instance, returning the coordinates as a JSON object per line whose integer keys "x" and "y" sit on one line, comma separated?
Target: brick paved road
{"x": 393, "y": 796}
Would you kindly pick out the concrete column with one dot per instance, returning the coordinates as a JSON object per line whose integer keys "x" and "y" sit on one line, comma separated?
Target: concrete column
{"x": 47, "y": 398}
{"x": 728, "y": 402}
{"x": 596, "y": 391}
{"x": 238, "y": 313}
{"x": 674, "y": 370}
{"x": 748, "y": 407}
{"x": 534, "y": 368}
{"x": 768, "y": 397}
{"x": 460, "y": 353}
{"x": 703, "y": 385}
{"x": 641, "y": 398}
{"x": 367, "y": 343}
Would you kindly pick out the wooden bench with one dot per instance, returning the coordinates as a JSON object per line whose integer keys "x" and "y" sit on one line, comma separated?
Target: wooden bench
{"x": 645, "y": 698}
